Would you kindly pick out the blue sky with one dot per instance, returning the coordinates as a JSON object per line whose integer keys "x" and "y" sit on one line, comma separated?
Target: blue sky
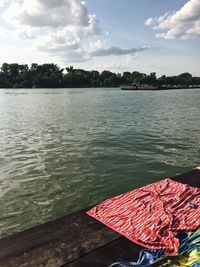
{"x": 129, "y": 35}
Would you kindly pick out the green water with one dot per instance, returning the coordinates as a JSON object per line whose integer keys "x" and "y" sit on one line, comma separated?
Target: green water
{"x": 65, "y": 149}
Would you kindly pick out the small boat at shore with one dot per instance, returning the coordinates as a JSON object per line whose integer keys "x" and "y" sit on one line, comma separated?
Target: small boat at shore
{"x": 135, "y": 87}
{"x": 138, "y": 87}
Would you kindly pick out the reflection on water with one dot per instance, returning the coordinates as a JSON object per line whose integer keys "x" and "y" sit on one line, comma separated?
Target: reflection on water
{"x": 62, "y": 150}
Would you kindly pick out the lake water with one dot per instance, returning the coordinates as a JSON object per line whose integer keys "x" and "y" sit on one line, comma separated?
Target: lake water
{"x": 65, "y": 149}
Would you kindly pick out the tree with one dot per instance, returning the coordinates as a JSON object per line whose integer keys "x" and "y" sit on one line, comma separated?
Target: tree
{"x": 51, "y": 76}
{"x": 46, "y": 75}
{"x": 127, "y": 77}
{"x": 150, "y": 79}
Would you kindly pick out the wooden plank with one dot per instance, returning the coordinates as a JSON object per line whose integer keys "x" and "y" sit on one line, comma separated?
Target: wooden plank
{"x": 191, "y": 178}
{"x": 119, "y": 250}
{"x": 71, "y": 240}
{"x": 55, "y": 243}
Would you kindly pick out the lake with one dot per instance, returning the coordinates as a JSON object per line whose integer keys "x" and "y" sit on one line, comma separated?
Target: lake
{"x": 65, "y": 149}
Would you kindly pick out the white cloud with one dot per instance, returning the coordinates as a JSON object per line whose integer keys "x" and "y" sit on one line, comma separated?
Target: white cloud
{"x": 47, "y": 13}
{"x": 3, "y": 32}
{"x": 69, "y": 42}
{"x": 3, "y": 2}
{"x": 62, "y": 29}
{"x": 98, "y": 44}
{"x": 182, "y": 24}
{"x": 116, "y": 51}
{"x": 114, "y": 63}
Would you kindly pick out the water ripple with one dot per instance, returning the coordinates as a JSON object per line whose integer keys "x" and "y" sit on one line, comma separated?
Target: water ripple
{"x": 62, "y": 150}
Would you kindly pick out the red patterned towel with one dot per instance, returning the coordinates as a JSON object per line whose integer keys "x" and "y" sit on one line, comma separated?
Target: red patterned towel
{"x": 152, "y": 215}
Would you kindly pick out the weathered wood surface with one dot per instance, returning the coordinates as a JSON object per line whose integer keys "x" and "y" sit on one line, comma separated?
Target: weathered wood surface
{"x": 191, "y": 178}
{"x": 55, "y": 243}
{"x": 76, "y": 240}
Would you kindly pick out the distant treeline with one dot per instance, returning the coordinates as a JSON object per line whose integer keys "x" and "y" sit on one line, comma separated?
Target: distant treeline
{"x": 51, "y": 76}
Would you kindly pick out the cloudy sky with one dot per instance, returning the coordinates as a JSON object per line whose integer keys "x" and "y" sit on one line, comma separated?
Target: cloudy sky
{"x": 128, "y": 35}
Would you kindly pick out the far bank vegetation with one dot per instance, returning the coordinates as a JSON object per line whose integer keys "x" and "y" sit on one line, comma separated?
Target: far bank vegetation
{"x": 52, "y": 76}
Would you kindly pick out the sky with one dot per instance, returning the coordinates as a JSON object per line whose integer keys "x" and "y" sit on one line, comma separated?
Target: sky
{"x": 130, "y": 35}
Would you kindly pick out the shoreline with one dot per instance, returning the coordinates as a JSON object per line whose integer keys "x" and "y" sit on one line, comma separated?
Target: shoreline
{"x": 157, "y": 88}
{"x": 118, "y": 87}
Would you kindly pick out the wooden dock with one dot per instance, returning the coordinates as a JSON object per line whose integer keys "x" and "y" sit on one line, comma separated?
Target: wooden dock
{"x": 75, "y": 240}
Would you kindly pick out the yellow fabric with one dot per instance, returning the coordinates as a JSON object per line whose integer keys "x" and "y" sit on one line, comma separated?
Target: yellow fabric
{"x": 187, "y": 258}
